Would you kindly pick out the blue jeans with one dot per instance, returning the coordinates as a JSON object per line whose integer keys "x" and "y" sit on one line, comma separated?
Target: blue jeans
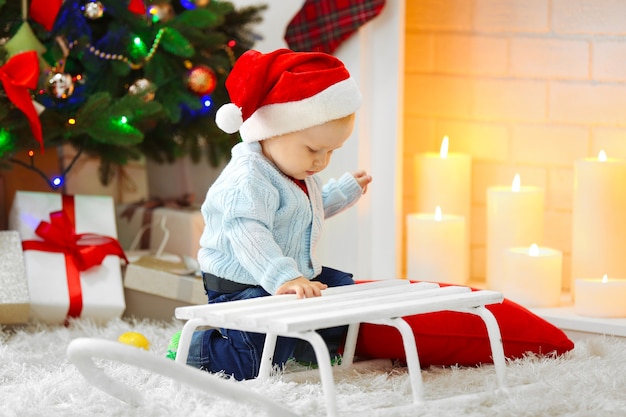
{"x": 238, "y": 353}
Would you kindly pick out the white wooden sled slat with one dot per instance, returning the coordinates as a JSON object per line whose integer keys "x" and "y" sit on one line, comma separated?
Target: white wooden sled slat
{"x": 258, "y": 305}
{"x": 328, "y": 306}
{"x": 378, "y": 302}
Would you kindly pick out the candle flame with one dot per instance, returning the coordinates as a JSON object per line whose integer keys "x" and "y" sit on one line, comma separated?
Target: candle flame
{"x": 443, "y": 151}
{"x": 602, "y": 156}
{"x": 533, "y": 250}
{"x": 605, "y": 279}
{"x": 516, "y": 183}
{"x": 438, "y": 214}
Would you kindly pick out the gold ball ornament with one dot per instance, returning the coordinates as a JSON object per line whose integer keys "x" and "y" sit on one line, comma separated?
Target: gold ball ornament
{"x": 59, "y": 85}
{"x": 201, "y": 3}
{"x": 202, "y": 80}
{"x": 134, "y": 339}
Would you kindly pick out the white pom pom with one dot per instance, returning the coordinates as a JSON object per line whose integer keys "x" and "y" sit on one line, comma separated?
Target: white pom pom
{"x": 229, "y": 118}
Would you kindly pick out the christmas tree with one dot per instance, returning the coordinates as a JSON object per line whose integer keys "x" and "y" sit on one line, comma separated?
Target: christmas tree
{"x": 118, "y": 79}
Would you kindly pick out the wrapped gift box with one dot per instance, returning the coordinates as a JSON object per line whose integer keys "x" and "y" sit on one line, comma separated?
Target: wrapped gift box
{"x": 55, "y": 289}
{"x": 130, "y": 219}
{"x": 129, "y": 183}
{"x": 154, "y": 287}
{"x": 14, "y": 302}
{"x": 179, "y": 229}
{"x": 144, "y": 224}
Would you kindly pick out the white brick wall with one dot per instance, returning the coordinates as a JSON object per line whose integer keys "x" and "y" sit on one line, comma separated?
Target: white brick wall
{"x": 526, "y": 86}
{"x": 501, "y": 16}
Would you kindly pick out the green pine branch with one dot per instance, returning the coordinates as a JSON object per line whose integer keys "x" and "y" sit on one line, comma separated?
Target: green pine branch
{"x": 101, "y": 117}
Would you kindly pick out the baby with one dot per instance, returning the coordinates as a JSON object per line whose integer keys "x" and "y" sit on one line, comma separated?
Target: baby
{"x": 264, "y": 214}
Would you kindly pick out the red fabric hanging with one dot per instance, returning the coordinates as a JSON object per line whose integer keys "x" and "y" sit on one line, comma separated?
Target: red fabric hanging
{"x": 322, "y": 25}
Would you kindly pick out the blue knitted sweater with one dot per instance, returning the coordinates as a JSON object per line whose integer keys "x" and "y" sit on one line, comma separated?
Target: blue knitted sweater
{"x": 260, "y": 227}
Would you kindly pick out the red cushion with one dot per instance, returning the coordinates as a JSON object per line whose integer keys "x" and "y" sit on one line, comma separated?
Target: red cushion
{"x": 449, "y": 338}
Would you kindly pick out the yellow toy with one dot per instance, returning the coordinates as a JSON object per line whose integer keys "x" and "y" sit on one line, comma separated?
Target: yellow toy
{"x": 134, "y": 339}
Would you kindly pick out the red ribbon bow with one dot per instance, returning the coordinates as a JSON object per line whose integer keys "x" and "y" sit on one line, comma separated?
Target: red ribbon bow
{"x": 85, "y": 249}
{"x": 82, "y": 251}
{"x": 18, "y": 75}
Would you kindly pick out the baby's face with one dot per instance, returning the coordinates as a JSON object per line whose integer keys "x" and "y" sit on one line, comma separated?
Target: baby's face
{"x": 307, "y": 152}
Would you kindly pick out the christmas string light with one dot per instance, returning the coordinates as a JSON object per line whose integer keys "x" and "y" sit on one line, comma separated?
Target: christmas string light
{"x": 119, "y": 57}
{"x": 56, "y": 181}
{"x": 5, "y": 142}
{"x": 187, "y": 4}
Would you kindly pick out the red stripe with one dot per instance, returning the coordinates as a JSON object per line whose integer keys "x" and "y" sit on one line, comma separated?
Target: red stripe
{"x": 73, "y": 274}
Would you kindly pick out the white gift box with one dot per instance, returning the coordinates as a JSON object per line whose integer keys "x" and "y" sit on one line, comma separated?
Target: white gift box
{"x": 185, "y": 226}
{"x": 154, "y": 287}
{"x": 135, "y": 225}
{"x": 14, "y": 301}
{"x": 101, "y": 287}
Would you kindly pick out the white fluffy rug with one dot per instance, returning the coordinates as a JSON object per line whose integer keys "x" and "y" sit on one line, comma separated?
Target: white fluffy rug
{"x": 36, "y": 379}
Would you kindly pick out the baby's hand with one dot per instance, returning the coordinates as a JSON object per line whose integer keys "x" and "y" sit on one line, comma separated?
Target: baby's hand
{"x": 302, "y": 287}
{"x": 362, "y": 178}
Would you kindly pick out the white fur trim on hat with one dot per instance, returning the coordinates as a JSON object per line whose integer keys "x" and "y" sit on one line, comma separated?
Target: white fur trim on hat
{"x": 339, "y": 100}
{"x": 229, "y": 118}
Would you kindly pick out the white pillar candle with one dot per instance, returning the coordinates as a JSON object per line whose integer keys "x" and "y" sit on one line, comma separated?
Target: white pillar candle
{"x": 601, "y": 297}
{"x": 514, "y": 218}
{"x": 532, "y": 276}
{"x": 436, "y": 249}
{"x": 598, "y": 218}
{"x": 444, "y": 179}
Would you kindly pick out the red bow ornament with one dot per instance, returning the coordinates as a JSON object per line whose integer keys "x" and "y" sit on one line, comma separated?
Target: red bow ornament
{"x": 18, "y": 75}
{"x": 45, "y": 12}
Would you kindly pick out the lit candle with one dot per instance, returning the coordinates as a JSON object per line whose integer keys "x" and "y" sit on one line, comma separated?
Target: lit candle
{"x": 514, "y": 218}
{"x": 444, "y": 179}
{"x": 436, "y": 248}
{"x": 598, "y": 225}
{"x": 602, "y": 297}
{"x": 532, "y": 276}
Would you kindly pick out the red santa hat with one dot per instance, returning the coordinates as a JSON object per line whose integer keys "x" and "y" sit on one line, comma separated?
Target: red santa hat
{"x": 285, "y": 91}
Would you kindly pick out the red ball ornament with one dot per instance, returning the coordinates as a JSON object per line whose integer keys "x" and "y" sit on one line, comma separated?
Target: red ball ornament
{"x": 137, "y": 7}
{"x": 202, "y": 80}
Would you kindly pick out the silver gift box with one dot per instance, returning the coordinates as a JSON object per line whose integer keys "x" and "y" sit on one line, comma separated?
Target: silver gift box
{"x": 14, "y": 300}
